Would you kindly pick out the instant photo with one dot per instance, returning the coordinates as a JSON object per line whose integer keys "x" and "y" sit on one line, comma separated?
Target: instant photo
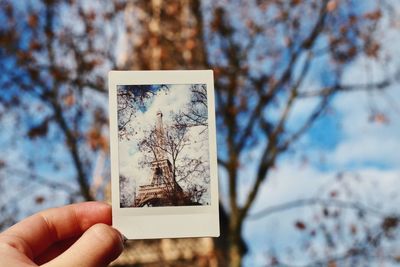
{"x": 163, "y": 154}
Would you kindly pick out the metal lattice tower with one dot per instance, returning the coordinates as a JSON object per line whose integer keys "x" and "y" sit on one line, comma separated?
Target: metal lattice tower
{"x": 163, "y": 188}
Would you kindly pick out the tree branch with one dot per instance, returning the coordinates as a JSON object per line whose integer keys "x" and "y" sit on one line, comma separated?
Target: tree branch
{"x": 378, "y": 86}
{"x": 313, "y": 202}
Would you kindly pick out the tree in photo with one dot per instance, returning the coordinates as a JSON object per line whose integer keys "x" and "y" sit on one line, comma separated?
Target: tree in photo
{"x": 131, "y": 99}
{"x": 197, "y": 112}
{"x": 168, "y": 143}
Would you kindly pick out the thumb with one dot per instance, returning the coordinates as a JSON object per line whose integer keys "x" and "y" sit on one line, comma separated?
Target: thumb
{"x": 98, "y": 246}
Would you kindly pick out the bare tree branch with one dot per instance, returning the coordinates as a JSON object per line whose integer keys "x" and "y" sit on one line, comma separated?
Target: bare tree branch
{"x": 313, "y": 202}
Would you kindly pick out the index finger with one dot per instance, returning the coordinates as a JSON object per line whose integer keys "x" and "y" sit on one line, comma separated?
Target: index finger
{"x": 37, "y": 232}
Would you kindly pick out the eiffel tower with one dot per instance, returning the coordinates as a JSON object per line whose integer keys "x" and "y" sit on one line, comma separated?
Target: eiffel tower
{"x": 163, "y": 189}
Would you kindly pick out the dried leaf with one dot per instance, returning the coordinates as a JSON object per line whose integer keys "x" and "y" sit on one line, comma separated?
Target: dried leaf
{"x": 39, "y": 199}
{"x": 33, "y": 21}
{"x": 375, "y": 15}
{"x": 372, "y": 49}
{"x": 295, "y": 2}
{"x": 58, "y": 74}
{"x": 2, "y": 164}
{"x": 353, "y": 229}
{"x": 379, "y": 118}
{"x": 332, "y": 5}
{"x": 91, "y": 15}
{"x": 333, "y": 194}
{"x": 190, "y": 44}
{"x": 172, "y": 8}
{"x": 69, "y": 100}
{"x": 390, "y": 223}
{"x": 300, "y": 225}
{"x": 35, "y": 45}
{"x": 96, "y": 140}
{"x": 39, "y": 130}
{"x": 119, "y": 6}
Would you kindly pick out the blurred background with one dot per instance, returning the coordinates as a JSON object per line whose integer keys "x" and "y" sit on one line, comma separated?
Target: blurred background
{"x": 307, "y": 104}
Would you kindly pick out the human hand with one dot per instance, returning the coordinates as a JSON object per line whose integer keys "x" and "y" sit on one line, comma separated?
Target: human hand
{"x": 73, "y": 235}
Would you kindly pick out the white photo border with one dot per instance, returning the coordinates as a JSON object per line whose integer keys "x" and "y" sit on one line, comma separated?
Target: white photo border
{"x": 164, "y": 222}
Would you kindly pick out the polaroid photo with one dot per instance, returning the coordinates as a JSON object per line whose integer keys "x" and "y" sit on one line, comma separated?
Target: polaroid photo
{"x": 163, "y": 154}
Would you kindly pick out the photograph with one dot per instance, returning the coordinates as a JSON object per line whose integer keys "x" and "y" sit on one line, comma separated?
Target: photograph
{"x": 163, "y": 145}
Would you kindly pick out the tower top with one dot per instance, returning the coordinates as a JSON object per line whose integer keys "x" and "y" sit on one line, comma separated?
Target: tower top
{"x": 159, "y": 131}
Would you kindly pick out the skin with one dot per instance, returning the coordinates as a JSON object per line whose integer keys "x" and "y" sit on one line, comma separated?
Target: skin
{"x": 74, "y": 235}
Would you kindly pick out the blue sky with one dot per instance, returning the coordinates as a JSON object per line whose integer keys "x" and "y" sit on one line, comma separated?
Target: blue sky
{"x": 344, "y": 141}
{"x": 358, "y": 146}
{"x": 341, "y": 141}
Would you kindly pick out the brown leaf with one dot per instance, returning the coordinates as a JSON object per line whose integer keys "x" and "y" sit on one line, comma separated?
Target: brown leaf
{"x": 96, "y": 140}
{"x": 379, "y": 118}
{"x": 34, "y": 73}
{"x": 2, "y": 164}
{"x": 300, "y": 225}
{"x": 69, "y": 100}
{"x": 374, "y": 15}
{"x": 35, "y": 45}
{"x": 109, "y": 16}
{"x": 295, "y": 2}
{"x": 119, "y": 6}
{"x": 33, "y": 21}
{"x": 39, "y": 199}
{"x": 372, "y": 49}
{"x": 397, "y": 258}
{"x": 91, "y": 64}
{"x": 353, "y": 229}
{"x": 91, "y": 15}
{"x": 58, "y": 74}
{"x": 190, "y": 44}
{"x": 332, "y": 5}
{"x": 390, "y": 223}
{"x": 39, "y": 130}
{"x": 172, "y": 8}
{"x": 24, "y": 56}
{"x": 333, "y": 194}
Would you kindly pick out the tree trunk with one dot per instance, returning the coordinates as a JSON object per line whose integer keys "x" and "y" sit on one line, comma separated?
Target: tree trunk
{"x": 235, "y": 250}
{"x": 235, "y": 246}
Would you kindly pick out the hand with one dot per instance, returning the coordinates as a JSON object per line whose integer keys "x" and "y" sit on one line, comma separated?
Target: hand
{"x": 74, "y": 235}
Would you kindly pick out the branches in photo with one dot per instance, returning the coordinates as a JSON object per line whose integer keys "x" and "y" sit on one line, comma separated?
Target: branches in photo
{"x": 197, "y": 111}
{"x": 130, "y": 99}
{"x": 186, "y": 167}
{"x": 127, "y": 194}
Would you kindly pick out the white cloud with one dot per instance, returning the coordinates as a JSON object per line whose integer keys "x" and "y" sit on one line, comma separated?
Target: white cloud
{"x": 367, "y": 152}
{"x": 370, "y": 186}
{"x": 365, "y": 141}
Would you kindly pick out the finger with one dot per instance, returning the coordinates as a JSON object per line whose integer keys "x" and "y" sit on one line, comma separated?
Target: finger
{"x": 41, "y": 230}
{"x": 97, "y": 247}
{"x": 55, "y": 250}
{"x": 10, "y": 254}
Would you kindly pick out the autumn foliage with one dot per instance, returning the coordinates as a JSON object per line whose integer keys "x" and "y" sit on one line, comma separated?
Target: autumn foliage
{"x": 266, "y": 56}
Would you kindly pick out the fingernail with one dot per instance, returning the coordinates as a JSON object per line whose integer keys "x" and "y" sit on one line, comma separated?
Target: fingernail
{"x": 124, "y": 240}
